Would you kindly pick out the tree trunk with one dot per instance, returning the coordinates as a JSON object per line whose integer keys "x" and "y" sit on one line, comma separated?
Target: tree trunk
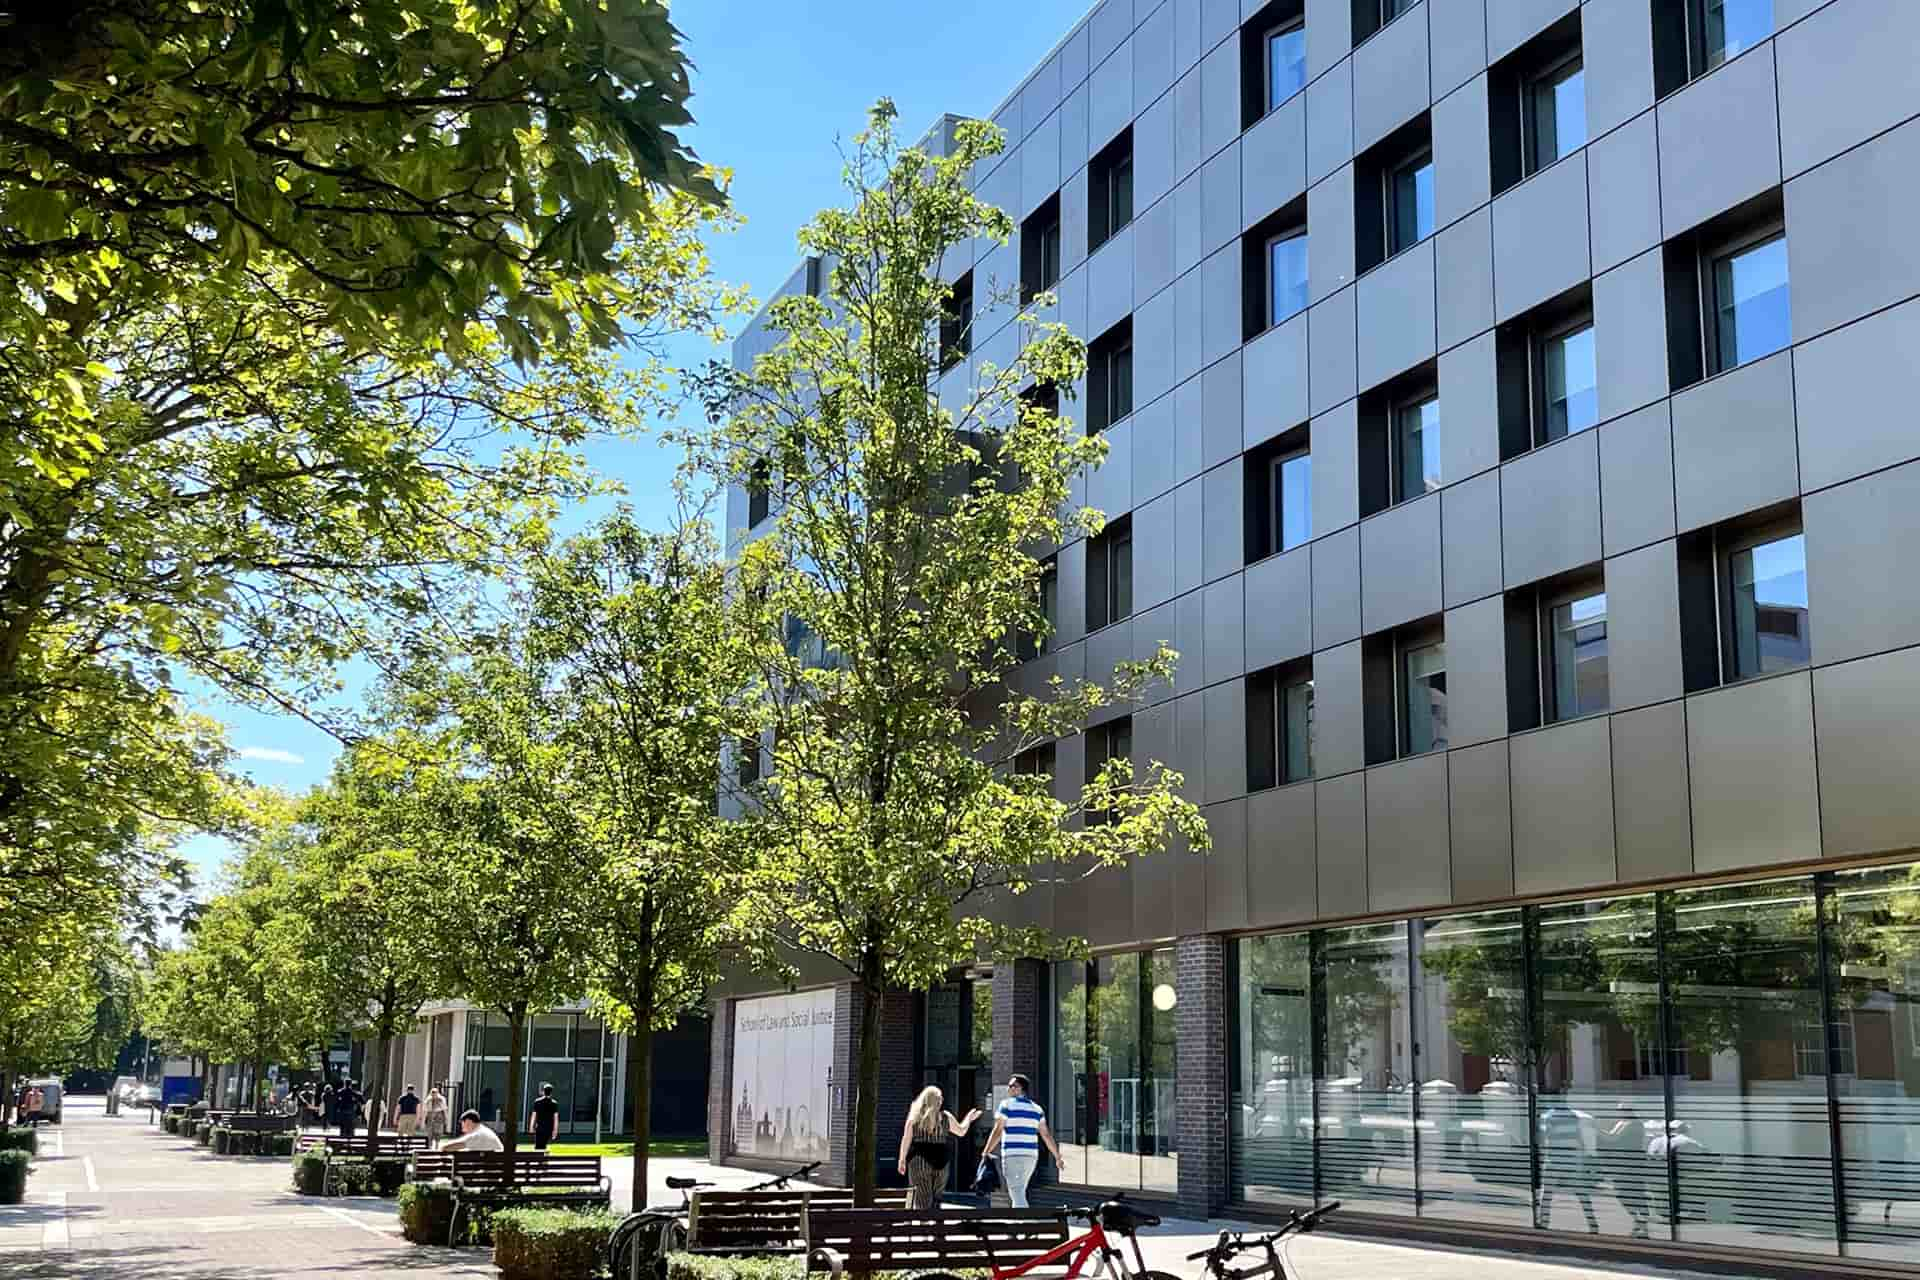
{"x": 866, "y": 1116}
{"x": 6, "y": 1097}
{"x": 259, "y": 1074}
{"x": 206, "y": 1080}
{"x": 377, "y": 1091}
{"x": 640, "y": 1089}
{"x": 516, "y": 1047}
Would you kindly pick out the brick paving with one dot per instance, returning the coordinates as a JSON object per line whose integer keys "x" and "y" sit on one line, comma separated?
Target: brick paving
{"x": 115, "y": 1199}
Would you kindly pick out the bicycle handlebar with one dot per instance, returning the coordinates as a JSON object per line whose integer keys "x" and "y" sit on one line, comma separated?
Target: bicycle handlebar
{"x": 1231, "y": 1243}
{"x": 803, "y": 1172}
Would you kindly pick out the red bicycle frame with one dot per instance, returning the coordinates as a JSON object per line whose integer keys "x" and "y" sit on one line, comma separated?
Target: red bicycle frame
{"x": 1082, "y": 1247}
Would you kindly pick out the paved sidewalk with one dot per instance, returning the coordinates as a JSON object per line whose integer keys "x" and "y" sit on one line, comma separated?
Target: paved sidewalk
{"x": 115, "y": 1199}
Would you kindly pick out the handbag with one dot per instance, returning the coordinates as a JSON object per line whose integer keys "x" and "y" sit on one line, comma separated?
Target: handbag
{"x": 986, "y": 1176}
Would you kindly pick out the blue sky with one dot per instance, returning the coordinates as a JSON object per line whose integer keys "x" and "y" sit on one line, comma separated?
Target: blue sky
{"x": 775, "y": 86}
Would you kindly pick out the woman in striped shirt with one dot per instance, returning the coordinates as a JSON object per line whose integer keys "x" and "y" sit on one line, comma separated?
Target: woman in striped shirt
{"x": 1019, "y": 1129}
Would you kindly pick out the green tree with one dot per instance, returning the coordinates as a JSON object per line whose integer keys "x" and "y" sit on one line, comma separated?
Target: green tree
{"x": 892, "y": 589}
{"x": 363, "y": 889}
{"x": 503, "y": 834}
{"x": 177, "y": 1009}
{"x": 46, "y": 1005}
{"x": 653, "y": 675}
{"x": 303, "y": 308}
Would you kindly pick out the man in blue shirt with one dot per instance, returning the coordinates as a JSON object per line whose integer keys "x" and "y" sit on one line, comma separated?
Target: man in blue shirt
{"x": 1019, "y": 1130}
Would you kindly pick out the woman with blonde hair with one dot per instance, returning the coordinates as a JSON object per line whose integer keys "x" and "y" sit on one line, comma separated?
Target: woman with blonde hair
{"x": 923, "y": 1145}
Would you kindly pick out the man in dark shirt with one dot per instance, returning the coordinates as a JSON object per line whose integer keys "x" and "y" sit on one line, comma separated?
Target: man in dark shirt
{"x": 347, "y": 1101}
{"x": 544, "y": 1120}
{"x": 406, "y": 1113}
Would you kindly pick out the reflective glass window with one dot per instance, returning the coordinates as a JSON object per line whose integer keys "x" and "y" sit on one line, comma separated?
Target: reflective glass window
{"x": 1365, "y": 1123}
{"x": 1272, "y": 1103}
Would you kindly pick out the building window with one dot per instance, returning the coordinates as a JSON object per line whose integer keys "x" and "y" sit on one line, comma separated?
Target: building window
{"x": 1109, "y": 191}
{"x": 1568, "y": 399}
{"x": 1416, "y": 448}
{"x": 1112, "y": 1085}
{"x": 1409, "y": 200}
{"x": 1768, "y": 620}
{"x": 1035, "y": 762}
{"x": 1393, "y": 194}
{"x": 956, "y": 323}
{"x": 1033, "y": 644}
{"x": 1279, "y": 495}
{"x": 1750, "y": 316}
{"x": 1110, "y": 741}
{"x": 1280, "y": 726}
{"x": 1423, "y": 698}
{"x": 1556, "y": 114}
{"x": 1576, "y": 648}
{"x": 746, "y": 761}
{"x": 1286, "y": 276}
{"x": 759, "y": 492}
{"x": 1110, "y": 574}
{"x": 1729, "y": 28}
{"x": 1286, "y": 63}
{"x": 1040, "y": 249}
{"x": 1110, "y": 377}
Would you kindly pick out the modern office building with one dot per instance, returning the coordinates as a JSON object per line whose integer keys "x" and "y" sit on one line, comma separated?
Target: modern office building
{"x": 1512, "y": 411}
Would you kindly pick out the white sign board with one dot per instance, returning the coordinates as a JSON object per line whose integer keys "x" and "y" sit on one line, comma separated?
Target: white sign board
{"x": 782, "y": 1051}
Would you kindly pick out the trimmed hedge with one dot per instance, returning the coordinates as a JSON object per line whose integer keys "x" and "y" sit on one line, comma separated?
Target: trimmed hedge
{"x": 20, "y": 1138}
{"x": 309, "y": 1169}
{"x": 426, "y": 1212}
{"x": 169, "y": 1123}
{"x": 227, "y": 1142}
{"x": 550, "y": 1244}
{"x": 203, "y": 1133}
{"x": 13, "y": 1176}
{"x": 706, "y": 1266}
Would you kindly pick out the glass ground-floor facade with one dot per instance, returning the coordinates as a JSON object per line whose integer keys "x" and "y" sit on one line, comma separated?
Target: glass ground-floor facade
{"x": 570, "y": 1051}
{"x": 1731, "y": 1065}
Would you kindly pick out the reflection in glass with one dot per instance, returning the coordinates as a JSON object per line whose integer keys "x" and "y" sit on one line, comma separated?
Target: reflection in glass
{"x": 1751, "y": 298}
{"x": 1115, "y": 1075}
{"x": 1753, "y": 1159}
{"x": 1425, "y": 684}
{"x": 1770, "y": 631}
{"x": 1874, "y": 950}
{"x": 1559, "y": 123}
{"x": 1296, "y": 728}
{"x": 1365, "y": 1126}
{"x": 1734, "y": 26}
{"x": 1580, "y": 656}
{"x": 1474, "y": 1069}
{"x": 1272, "y": 1103}
{"x": 1417, "y": 444}
{"x": 1286, "y": 64}
{"x": 1293, "y": 492}
{"x": 1602, "y": 1100}
{"x": 1572, "y": 386}
{"x": 1410, "y": 204}
{"x": 1286, "y": 276}
{"x": 1068, "y": 1078}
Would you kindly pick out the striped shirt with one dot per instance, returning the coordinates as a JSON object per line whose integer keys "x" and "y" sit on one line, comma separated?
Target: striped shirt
{"x": 1023, "y": 1118}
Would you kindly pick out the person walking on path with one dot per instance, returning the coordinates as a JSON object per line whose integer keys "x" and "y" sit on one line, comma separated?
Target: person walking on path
{"x": 1019, "y": 1131}
{"x": 346, "y": 1108}
{"x": 1623, "y": 1149}
{"x": 543, "y": 1120}
{"x": 434, "y": 1116}
{"x": 1565, "y": 1166}
{"x": 474, "y": 1136}
{"x": 406, "y": 1113}
{"x": 923, "y": 1145}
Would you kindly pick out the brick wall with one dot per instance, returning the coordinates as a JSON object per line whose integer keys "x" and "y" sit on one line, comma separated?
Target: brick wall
{"x": 720, "y": 1083}
{"x": 1017, "y": 1024}
{"x": 1201, "y": 1025}
{"x": 898, "y": 1083}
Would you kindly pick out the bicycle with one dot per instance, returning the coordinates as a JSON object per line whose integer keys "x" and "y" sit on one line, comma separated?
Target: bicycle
{"x": 1233, "y": 1243}
{"x": 638, "y": 1246}
{"x": 1116, "y": 1216}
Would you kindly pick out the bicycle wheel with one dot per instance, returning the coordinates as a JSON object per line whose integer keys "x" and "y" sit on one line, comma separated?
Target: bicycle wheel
{"x": 1157, "y": 1275}
{"x": 640, "y": 1234}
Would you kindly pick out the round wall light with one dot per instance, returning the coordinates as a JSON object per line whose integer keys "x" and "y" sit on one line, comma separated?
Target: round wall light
{"x": 1164, "y": 997}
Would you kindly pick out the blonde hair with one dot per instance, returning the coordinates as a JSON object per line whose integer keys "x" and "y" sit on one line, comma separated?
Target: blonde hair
{"x": 924, "y": 1115}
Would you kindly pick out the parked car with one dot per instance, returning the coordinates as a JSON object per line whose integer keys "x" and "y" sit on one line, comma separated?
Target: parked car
{"x": 146, "y": 1095}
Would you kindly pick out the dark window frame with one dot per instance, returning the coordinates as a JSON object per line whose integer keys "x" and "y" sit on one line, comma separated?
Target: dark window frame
{"x": 1110, "y": 377}
{"x": 1539, "y": 339}
{"x": 1040, "y": 249}
{"x": 1041, "y": 758}
{"x": 1725, "y": 549}
{"x": 1110, "y": 575}
{"x": 759, "y": 493}
{"x": 1262, "y": 505}
{"x": 1569, "y": 62}
{"x": 1033, "y": 645}
{"x": 1103, "y": 741}
{"x": 746, "y": 761}
{"x": 1275, "y": 32}
{"x": 1712, "y": 253}
{"x": 1110, "y": 190}
{"x": 1268, "y": 762}
{"x": 1396, "y": 462}
{"x": 956, "y": 323}
{"x": 1414, "y": 160}
{"x": 1547, "y": 601}
{"x": 1406, "y": 643}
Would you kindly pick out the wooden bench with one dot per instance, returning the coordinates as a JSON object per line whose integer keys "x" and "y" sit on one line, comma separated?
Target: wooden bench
{"x": 250, "y": 1123}
{"x": 872, "y": 1240}
{"x": 754, "y": 1222}
{"x": 485, "y": 1179}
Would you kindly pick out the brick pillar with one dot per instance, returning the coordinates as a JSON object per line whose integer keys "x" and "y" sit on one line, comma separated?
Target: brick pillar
{"x": 1200, "y": 1023}
{"x": 898, "y": 1081}
{"x": 1017, "y": 1029}
{"x": 719, "y": 1082}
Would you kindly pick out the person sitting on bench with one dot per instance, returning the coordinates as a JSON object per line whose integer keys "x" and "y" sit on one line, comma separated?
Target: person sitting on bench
{"x": 474, "y": 1136}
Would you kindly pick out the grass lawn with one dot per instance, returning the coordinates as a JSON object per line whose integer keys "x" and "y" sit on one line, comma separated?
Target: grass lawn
{"x": 694, "y": 1147}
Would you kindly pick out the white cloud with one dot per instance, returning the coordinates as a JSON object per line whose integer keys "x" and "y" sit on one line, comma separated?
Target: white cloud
{"x": 271, "y": 755}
